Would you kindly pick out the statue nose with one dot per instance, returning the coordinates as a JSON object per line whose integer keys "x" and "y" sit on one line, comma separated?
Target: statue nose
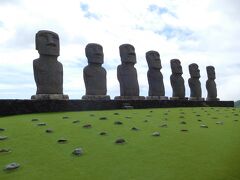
{"x": 51, "y": 41}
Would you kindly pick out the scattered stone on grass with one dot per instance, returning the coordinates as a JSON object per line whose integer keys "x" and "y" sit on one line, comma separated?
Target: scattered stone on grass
{"x": 120, "y": 141}
{"x": 214, "y": 118}
{"x": 118, "y": 123}
{"x": 164, "y": 125}
{"x": 62, "y": 141}
{"x": 134, "y": 129}
{"x": 2, "y": 129}
{"x": 199, "y": 120}
{"x": 156, "y": 133}
{"x": 198, "y": 115}
{"x": 236, "y": 114}
{"x": 103, "y": 118}
{"x": 92, "y": 115}
{"x": 65, "y": 117}
{"x": 183, "y": 122}
{"x": 76, "y": 121}
{"x": 87, "y": 126}
{"x": 11, "y": 166}
{"x": 181, "y": 117}
{"x": 3, "y": 150}
{"x": 42, "y": 124}
{"x": 3, "y": 138}
{"x": 203, "y": 126}
{"x": 116, "y": 113}
{"x": 148, "y": 115}
{"x": 151, "y": 111}
{"x": 103, "y": 133}
{"x": 182, "y": 112}
{"x": 145, "y": 120}
{"x": 236, "y": 120}
{"x": 49, "y": 131}
{"x": 128, "y": 117}
{"x": 219, "y": 122}
{"x": 35, "y": 119}
{"x": 184, "y": 130}
{"x": 77, "y": 152}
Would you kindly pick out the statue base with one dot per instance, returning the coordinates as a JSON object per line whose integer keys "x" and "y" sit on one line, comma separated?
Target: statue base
{"x": 196, "y": 99}
{"x": 156, "y": 98}
{"x": 95, "y": 97}
{"x": 179, "y": 98}
{"x": 49, "y": 97}
{"x": 129, "y": 98}
{"x": 212, "y": 99}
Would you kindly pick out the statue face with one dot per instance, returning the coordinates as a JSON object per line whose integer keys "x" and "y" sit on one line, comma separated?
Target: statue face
{"x": 94, "y": 53}
{"x": 211, "y": 72}
{"x": 127, "y": 54}
{"x": 194, "y": 71}
{"x": 153, "y": 60}
{"x": 176, "y": 66}
{"x": 47, "y": 43}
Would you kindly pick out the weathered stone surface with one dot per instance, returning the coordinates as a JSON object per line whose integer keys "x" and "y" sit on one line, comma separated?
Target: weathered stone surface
{"x": 65, "y": 117}
{"x": 211, "y": 85}
{"x": 194, "y": 83}
{"x": 49, "y": 131}
{"x": 42, "y": 124}
{"x": 77, "y": 152}
{"x": 177, "y": 81}
{"x": 219, "y": 122}
{"x": 103, "y": 118}
{"x": 183, "y": 122}
{"x": 156, "y": 133}
{"x": 3, "y": 138}
{"x": 3, "y": 150}
{"x": 127, "y": 73}
{"x": 118, "y": 123}
{"x": 11, "y": 166}
{"x": 76, "y": 121}
{"x": 134, "y": 129}
{"x": 2, "y": 129}
{"x": 155, "y": 77}
{"x": 103, "y": 133}
{"x": 203, "y": 126}
{"x": 94, "y": 74}
{"x": 120, "y": 141}
{"x": 184, "y": 130}
{"x": 35, "y": 119}
{"x": 50, "y": 97}
{"x": 164, "y": 125}
{"x": 48, "y": 72}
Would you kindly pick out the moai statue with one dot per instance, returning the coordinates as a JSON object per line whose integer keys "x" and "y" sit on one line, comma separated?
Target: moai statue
{"x": 155, "y": 78}
{"x": 48, "y": 71}
{"x": 211, "y": 85}
{"x": 94, "y": 74}
{"x": 194, "y": 83}
{"x": 127, "y": 74}
{"x": 177, "y": 81}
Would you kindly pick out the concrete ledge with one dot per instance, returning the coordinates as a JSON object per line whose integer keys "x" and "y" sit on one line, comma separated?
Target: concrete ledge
{"x": 12, "y": 107}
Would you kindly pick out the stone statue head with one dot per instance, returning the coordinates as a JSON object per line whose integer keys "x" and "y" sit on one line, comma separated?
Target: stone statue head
{"x": 153, "y": 60}
{"x": 94, "y": 53}
{"x": 176, "y": 66}
{"x": 127, "y": 54}
{"x": 211, "y": 72}
{"x": 194, "y": 71}
{"x": 47, "y": 43}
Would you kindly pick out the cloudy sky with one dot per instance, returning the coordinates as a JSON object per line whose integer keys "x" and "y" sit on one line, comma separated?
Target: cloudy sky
{"x": 206, "y": 32}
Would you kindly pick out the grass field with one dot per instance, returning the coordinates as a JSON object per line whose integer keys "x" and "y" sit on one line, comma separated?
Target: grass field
{"x": 211, "y": 153}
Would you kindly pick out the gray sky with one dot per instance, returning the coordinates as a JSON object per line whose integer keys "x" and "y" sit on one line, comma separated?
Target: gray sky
{"x": 205, "y": 32}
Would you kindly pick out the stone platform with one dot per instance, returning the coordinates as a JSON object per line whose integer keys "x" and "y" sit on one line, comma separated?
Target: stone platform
{"x": 12, "y": 107}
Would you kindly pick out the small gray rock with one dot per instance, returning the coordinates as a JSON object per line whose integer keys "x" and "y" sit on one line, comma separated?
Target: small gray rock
{"x": 4, "y": 150}
{"x": 77, "y": 152}
{"x": 42, "y": 124}
{"x": 164, "y": 125}
{"x": 156, "y": 133}
{"x": 34, "y": 119}
{"x": 199, "y": 120}
{"x": 62, "y": 141}
{"x": 116, "y": 113}
{"x": 181, "y": 117}
{"x": 145, "y": 120}
{"x": 87, "y": 126}
{"x": 219, "y": 122}
{"x": 49, "y": 131}
{"x": 103, "y": 133}
{"x": 183, "y": 122}
{"x": 134, "y": 129}
{"x": 184, "y": 130}
{"x": 236, "y": 120}
{"x": 2, "y": 129}
{"x": 92, "y": 115}
{"x": 65, "y": 117}
{"x": 128, "y": 117}
{"x": 76, "y": 121}
{"x": 203, "y": 126}
{"x": 118, "y": 123}
{"x": 3, "y": 138}
{"x": 103, "y": 118}
{"x": 11, "y": 166}
{"x": 120, "y": 141}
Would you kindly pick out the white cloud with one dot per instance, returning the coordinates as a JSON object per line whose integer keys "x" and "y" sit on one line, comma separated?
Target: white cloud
{"x": 203, "y": 31}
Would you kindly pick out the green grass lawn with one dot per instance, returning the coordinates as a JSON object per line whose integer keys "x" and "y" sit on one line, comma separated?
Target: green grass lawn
{"x": 211, "y": 153}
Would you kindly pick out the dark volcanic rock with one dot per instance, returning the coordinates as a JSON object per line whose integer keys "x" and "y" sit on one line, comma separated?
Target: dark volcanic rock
{"x": 184, "y": 130}
{"x": 4, "y": 150}
{"x": 120, "y": 141}
{"x": 164, "y": 125}
{"x": 116, "y": 113}
{"x": 103, "y": 118}
{"x": 49, "y": 131}
{"x": 92, "y": 115}
{"x": 65, "y": 117}
{"x": 2, "y": 129}
{"x": 76, "y": 121}
{"x": 118, "y": 123}
{"x": 11, "y": 166}
{"x": 183, "y": 122}
{"x": 78, "y": 152}
{"x": 145, "y": 120}
{"x": 219, "y": 122}
{"x": 35, "y": 119}
{"x": 134, "y": 129}
{"x": 203, "y": 126}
